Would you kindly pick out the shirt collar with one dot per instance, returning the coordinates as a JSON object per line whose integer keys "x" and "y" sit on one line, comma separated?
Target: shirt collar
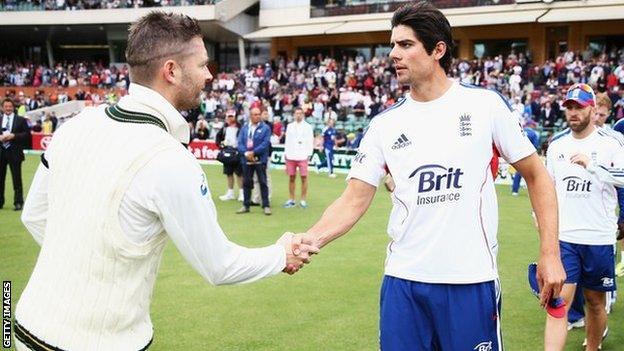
{"x": 144, "y": 99}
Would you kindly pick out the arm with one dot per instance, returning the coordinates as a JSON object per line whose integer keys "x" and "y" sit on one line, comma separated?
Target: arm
{"x": 551, "y": 274}
{"x": 365, "y": 175}
{"x": 178, "y": 196}
{"x": 513, "y": 145}
{"x": 21, "y": 134}
{"x": 264, "y": 143}
{"x": 242, "y": 142}
{"x": 612, "y": 174}
{"x": 343, "y": 213}
{"x": 620, "y": 197}
{"x": 35, "y": 212}
{"x": 310, "y": 140}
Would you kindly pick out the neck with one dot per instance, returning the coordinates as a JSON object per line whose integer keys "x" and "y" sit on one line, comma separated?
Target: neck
{"x": 584, "y": 133}
{"x": 432, "y": 88}
{"x": 168, "y": 94}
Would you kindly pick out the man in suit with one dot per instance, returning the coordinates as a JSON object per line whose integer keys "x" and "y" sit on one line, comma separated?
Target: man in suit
{"x": 15, "y": 135}
{"x": 254, "y": 142}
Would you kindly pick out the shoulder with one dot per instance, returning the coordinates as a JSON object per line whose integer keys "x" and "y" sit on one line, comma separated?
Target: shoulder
{"x": 387, "y": 116}
{"x": 611, "y": 136}
{"x": 558, "y": 137}
{"x": 479, "y": 94}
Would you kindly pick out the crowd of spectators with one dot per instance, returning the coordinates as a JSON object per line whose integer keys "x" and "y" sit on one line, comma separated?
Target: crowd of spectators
{"x": 350, "y": 90}
{"x": 354, "y": 90}
{"x": 64, "y": 74}
{"x": 48, "y": 5}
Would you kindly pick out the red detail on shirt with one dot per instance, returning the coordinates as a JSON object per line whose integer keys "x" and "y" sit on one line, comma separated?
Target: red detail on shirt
{"x": 494, "y": 161}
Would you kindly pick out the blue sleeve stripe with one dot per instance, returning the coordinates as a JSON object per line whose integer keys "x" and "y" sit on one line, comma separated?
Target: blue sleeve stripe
{"x": 560, "y": 135}
{"x": 606, "y": 134}
{"x": 470, "y": 86}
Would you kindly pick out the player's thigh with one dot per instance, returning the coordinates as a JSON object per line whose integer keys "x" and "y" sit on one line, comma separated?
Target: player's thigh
{"x": 291, "y": 168}
{"x": 598, "y": 269}
{"x": 470, "y": 318}
{"x": 303, "y": 168}
{"x": 571, "y": 260}
{"x": 405, "y": 319}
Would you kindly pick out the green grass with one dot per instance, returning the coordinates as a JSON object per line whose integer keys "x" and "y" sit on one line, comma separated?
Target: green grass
{"x": 331, "y": 305}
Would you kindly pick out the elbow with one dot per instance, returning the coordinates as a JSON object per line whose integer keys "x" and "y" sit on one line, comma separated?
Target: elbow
{"x": 27, "y": 219}
{"x": 216, "y": 275}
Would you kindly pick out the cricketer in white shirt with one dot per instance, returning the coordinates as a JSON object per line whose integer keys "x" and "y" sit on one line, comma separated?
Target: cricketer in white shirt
{"x": 587, "y": 197}
{"x": 444, "y": 218}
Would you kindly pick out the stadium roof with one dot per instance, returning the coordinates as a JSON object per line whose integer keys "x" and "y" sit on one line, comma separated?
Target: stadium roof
{"x": 567, "y": 11}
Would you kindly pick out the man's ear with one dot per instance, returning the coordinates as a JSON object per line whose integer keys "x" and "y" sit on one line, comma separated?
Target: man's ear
{"x": 439, "y": 50}
{"x": 170, "y": 71}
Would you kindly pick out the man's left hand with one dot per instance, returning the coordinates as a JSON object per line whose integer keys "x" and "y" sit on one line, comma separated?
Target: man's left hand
{"x": 550, "y": 277}
{"x": 580, "y": 159}
{"x": 620, "y": 232}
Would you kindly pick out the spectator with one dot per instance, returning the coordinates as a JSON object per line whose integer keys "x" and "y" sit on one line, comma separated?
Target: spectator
{"x": 228, "y": 138}
{"x": 298, "y": 149}
{"x": 253, "y": 145}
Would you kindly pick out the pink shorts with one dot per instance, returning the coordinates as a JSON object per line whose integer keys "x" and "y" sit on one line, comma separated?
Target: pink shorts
{"x": 291, "y": 167}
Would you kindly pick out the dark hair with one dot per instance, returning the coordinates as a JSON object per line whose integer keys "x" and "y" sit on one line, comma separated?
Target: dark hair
{"x": 155, "y": 37}
{"x": 298, "y": 108}
{"x": 430, "y": 27}
{"x": 8, "y": 100}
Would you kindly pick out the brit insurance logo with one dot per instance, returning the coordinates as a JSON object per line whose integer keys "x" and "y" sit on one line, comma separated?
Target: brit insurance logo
{"x": 577, "y": 187}
{"x": 401, "y": 142}
{"x": 465, "y": 125}
{"x": 437, "y": 183}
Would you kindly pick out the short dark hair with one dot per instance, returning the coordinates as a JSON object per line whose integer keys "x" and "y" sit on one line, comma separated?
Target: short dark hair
{"x": 8, "y": 100}
{"x": 430, "y": 27}
{"x": 298, "y": 108}
{"x": 155, "y": 37}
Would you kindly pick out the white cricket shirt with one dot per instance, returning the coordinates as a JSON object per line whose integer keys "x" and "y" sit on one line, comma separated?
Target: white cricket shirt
{"x": 444, "y": 218}
{"x": 587, "y": 197}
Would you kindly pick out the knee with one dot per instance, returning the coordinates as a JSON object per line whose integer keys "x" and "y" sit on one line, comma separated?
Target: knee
{"x": 292, "y": 178}
{"x": 595, "y": 301}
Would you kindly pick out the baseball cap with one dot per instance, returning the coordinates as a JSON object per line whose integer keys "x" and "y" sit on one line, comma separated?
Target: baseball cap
{"x": 230, "y": 113}
{"x": 555, "y": 306}
{"x": 582, "y": 94}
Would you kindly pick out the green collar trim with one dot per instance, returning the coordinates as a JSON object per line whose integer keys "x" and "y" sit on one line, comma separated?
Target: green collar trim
{"x": 120, "y": 115}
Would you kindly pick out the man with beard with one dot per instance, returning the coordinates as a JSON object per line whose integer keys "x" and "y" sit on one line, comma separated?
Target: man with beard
{"x": 114, "y": 185}
{"x": 586, "y": 163}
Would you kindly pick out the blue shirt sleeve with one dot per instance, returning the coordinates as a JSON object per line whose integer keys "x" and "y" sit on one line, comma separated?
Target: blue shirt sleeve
{"x": 620, "y": 197}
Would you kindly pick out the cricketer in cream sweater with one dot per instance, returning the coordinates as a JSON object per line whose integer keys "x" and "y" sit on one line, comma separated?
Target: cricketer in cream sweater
{"x": 114, "y": 184}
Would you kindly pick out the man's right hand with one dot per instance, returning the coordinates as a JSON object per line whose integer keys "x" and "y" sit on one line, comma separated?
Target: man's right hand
{"x": 297, "y": 252}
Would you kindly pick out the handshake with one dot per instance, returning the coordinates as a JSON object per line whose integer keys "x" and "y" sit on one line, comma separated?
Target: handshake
{"x": 298, "y": 248}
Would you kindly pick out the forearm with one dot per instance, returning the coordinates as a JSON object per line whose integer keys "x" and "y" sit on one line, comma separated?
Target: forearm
{"x": 35, "y": 212}
{"x": 544, "y": 201}
{"x": 612, "y": 176}
{"x": 338, "y": 219}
